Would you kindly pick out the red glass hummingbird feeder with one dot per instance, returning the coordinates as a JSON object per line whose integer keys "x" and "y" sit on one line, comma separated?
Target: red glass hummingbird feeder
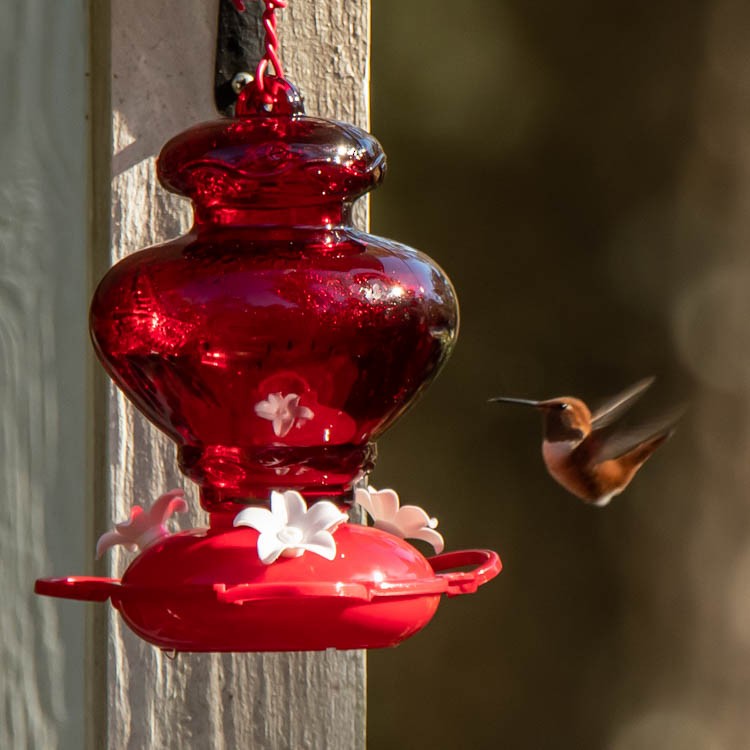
{"x": 273, "y": 343}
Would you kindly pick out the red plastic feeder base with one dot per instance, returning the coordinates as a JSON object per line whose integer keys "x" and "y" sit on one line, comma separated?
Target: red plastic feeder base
{"x": 206, "y": 590}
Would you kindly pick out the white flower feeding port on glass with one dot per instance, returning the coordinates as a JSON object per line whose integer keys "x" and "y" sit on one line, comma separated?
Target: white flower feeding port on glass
{"x": 284, "y": 412}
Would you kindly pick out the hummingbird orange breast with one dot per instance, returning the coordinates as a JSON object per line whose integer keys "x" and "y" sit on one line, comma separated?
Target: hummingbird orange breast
{"x": 596, "y": 482}
{"x": 559, "y": 457}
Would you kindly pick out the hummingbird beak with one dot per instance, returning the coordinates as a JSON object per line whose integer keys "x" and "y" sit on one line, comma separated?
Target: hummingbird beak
{"x": 520, "y": 401}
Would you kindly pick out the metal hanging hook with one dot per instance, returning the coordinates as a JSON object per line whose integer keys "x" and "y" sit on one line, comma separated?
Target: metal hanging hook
{"x": 271, "y": 56}
{"x": 247, "y": 40}
{"x": 271, "y": 43}
{"x": 241, "y": 80}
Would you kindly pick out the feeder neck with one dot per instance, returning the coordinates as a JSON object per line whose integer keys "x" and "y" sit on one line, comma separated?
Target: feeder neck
{"x": 319, "y": 216}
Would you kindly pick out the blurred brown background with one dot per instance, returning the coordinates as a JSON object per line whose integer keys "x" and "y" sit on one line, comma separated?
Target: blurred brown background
{"x": 582, "y": 172}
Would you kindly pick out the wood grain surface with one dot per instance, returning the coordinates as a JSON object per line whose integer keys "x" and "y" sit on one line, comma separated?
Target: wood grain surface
{"x": 162, "y": 82}
{"x": 42, "y": 368}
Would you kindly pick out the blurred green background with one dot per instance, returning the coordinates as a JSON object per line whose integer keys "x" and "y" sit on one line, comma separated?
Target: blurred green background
{"x": 582, "y": 173}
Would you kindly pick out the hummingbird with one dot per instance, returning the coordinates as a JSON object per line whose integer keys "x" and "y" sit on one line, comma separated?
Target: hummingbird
{"x": 586, "y": 458}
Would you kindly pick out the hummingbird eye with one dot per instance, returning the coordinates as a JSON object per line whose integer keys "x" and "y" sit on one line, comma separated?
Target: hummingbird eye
{"x": 564, "y": 406}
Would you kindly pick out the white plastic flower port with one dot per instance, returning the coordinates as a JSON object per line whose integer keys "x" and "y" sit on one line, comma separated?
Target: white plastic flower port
{"x": 289, "y": 529}
{"x": 143, "y": 528}
{"x": 407, "y": 521}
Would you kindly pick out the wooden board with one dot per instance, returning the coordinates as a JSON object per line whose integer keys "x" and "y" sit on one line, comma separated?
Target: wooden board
{"x": 162, "y": 82}
{"x": 43, "y": 301}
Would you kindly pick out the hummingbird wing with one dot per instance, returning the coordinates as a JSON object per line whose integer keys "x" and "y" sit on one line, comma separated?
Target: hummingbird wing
{"x": 607, "y": 445}
{"x": 613, "y": 408}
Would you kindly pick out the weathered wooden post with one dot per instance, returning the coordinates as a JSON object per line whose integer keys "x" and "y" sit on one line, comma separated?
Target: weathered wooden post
{"x": 162, "y": 79}
{"x": 42, "y": 377}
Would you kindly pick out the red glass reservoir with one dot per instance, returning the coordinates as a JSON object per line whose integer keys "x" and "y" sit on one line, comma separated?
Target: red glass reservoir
{"x": 275, "y": 341}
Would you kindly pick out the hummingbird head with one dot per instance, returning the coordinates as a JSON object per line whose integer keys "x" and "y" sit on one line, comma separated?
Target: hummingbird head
{"x": 566, "y": 419}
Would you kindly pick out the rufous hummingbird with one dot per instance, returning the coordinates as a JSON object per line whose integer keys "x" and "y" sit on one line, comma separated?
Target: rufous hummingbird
{"x": 592, "y": 462}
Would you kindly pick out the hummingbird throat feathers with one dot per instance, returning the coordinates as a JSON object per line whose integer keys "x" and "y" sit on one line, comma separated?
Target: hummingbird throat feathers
{"x": 558, "y": 452}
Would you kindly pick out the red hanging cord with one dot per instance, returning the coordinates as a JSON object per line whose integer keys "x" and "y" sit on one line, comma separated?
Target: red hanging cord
{"x": 271, "y": 54}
